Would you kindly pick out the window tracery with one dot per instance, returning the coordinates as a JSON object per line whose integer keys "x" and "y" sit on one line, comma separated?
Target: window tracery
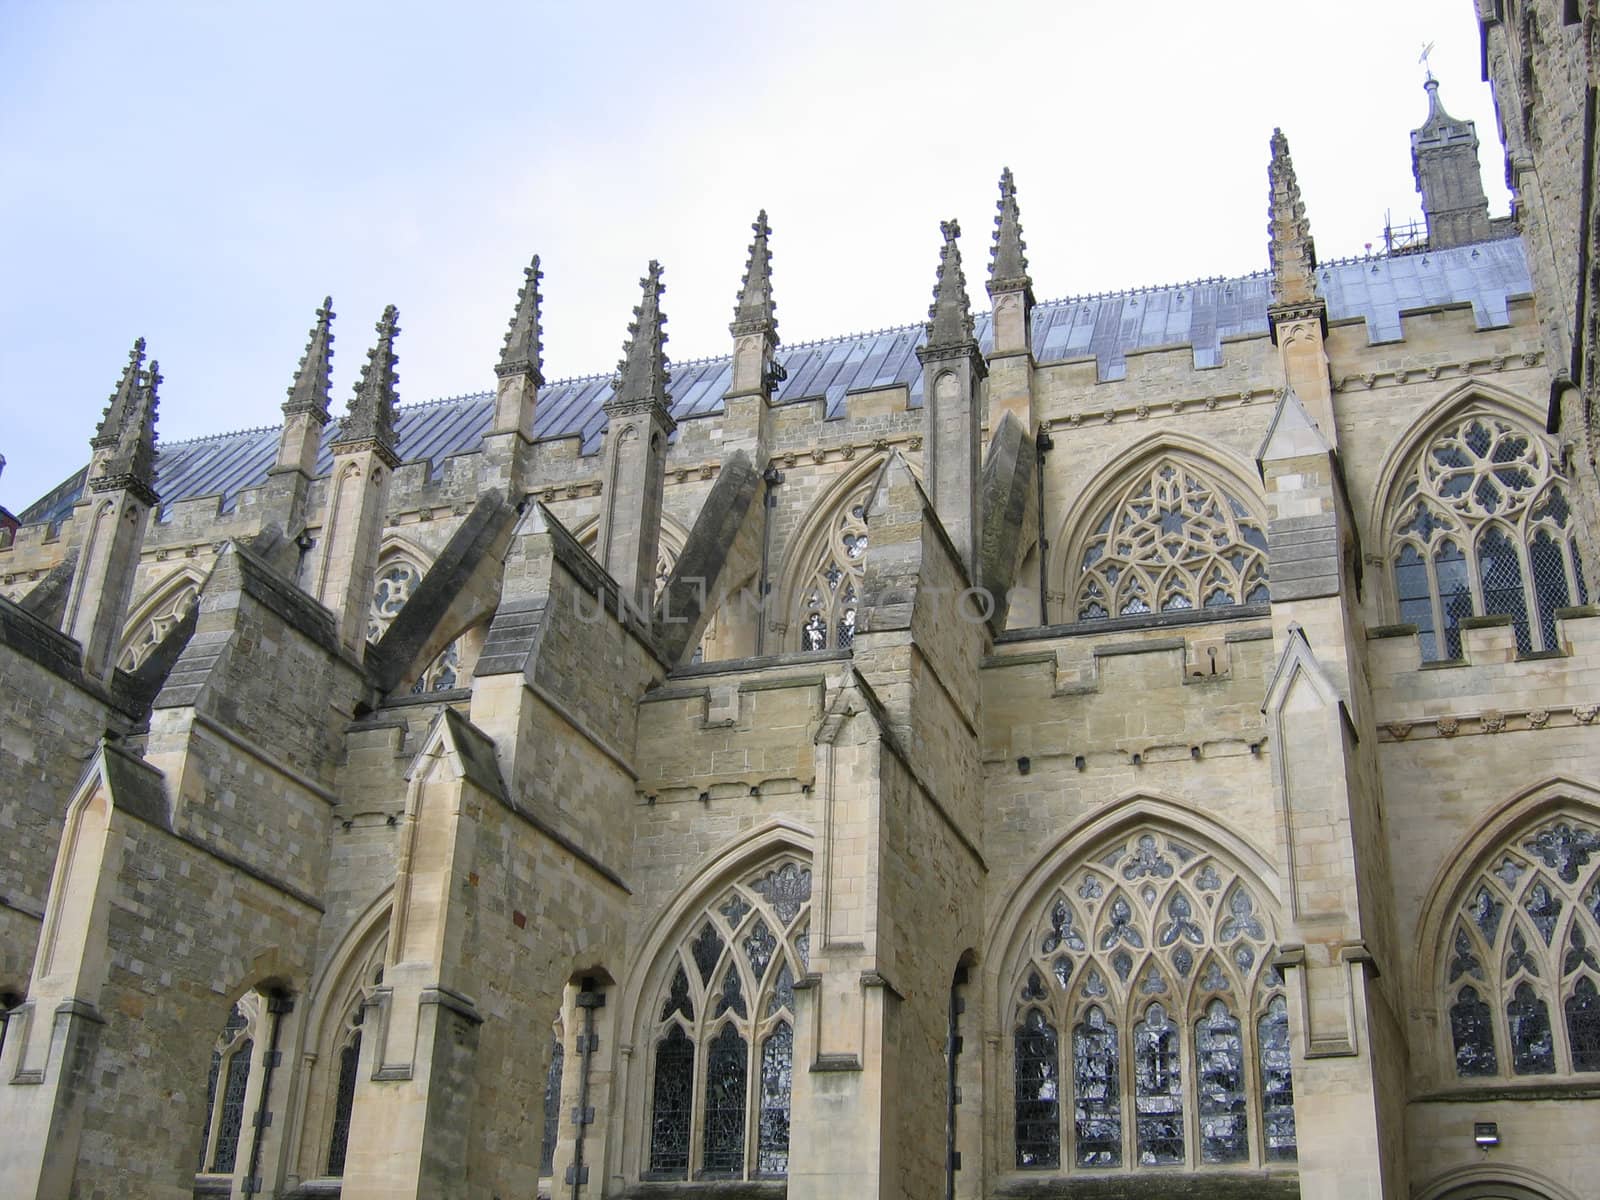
{"x": 1483, "y": 527}
{"x": 153, "y": 629}
{"x": 1154, "y": 958}
{"x": 723, "y": 1056}
{"x": 228, "y": 1081}
{"x": 1173, "y": 538}
{"x": 399, "y": 577}
{"x": 1520, "y": 967}
{"x": 831, "y": 590}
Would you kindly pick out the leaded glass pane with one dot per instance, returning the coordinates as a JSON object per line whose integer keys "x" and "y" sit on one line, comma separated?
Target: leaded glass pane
{"x": 1500, "y": 572}
{"x": 1583, "y": 1026}
{"x": 1564, "y": 848}
{"x": 777, "y": 1079}
{"x": 829, "y": 598}
{"x": 1038, "y": 1093}
{"x": 782, "y": 991}
{"x": 552, "y": 1108}
{"x": 758, "y": 947}
{"x": 1219, "y": 1049}
{"x": 1532, "y": 1047}
{"x": 1485, "y": 911}
{"x": 1415, "y": 596}
{"x": 211, "y": 1104}
{"x": 1544, "y": 906}
{"x": 732, "y": 997}
{"x": 786, "y": 889}
{"x": 1472, "y": 1032}
{"x": 344, "y": 1102}
{"x": 1277, "y": 1083}
{"x": 1157, "y": 1089}
{"x": 672, "y": 1105}
{"x": 727, "y": 1070}
{"x": 1455, "y": 593}
{"x": 231, "y": 1119}
{"x": 678, "y": 997}
{"x": 1097, "y": 1092}
{"x": 1549, "y": 569}
{"x": 707, "y": 949}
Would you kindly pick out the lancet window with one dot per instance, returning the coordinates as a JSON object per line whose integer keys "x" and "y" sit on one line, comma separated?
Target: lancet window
{"x": 1483, "y": 527}
{"x": 1173, "y": 538}
{"x": 830, "y": 593}
{"x": 722, "y": 1062}
{"x": 1522, "y": 963}
{"x": 226, "y": 1085}
{"x": 1149, "y": 1026}
{"x": 336, "y": 1081}
{"x": 154, "y": 627}
{"x": 552, "y": 1105}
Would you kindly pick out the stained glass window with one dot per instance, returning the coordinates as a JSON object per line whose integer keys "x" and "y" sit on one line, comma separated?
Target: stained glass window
{"x": 552, "y": 1107}
{"x": 343, "y": 1105}
{"x": 1172, "y": 539}
{"x": 1520, "y": 969}
{"x": 1483, "y": 526}
{"x": 1038, "y": 1092}
{"x": 226, "y": 1086}
{"x": 829, "y": 595}
{"x": 1152, "y": 926}
{"x": 726, "y": 1013}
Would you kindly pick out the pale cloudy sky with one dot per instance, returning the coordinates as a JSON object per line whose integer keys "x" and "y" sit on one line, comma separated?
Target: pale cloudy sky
{"x": 204, "y": 173}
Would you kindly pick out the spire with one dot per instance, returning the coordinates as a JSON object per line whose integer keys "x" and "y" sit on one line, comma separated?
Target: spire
{"x": 1289, "y": 245}
{"x": 1008, "y": 257}
{"x": 523, "y": 352}
{"x": 950, "y": 315}
{"x": 643, "y": 375}
{"x": 131, "y": 465}
{"x": 116, "y": 413}
{"x": 755, "y": 312}
{"x": 312, "y": 387}
{"x": 371, "y": 415}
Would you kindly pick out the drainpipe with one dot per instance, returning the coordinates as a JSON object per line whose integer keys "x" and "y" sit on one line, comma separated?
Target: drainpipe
{"x": 589, "y": 999}
{"x": 1044, "y": 444}
{"x": 772, "y": 477}
{"x": 278, "y": 1006}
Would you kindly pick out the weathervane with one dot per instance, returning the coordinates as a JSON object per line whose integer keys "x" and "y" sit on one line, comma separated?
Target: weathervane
{"x": 1427, "y": 49}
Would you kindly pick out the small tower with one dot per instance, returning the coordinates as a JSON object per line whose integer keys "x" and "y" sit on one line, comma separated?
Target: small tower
{"x": 1011, "y": 295}
{"x": 122, "y": 483}
{"x": 364, "y": 457}
{"x": 756, "y": 370}
{"x": 952, "y": 370}
{"x": 518, "y": 377}
{"x": 1444, "y": 159}
{"x": 1297, "y": 316}
{"x": 636, "y": 451}
{"x": 305, "y": 413}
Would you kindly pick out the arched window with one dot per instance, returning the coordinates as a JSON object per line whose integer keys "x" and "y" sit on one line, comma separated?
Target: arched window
{"x": 335, "y": 1073}
{"x": 552, "y": 1104}
{"x": 152, "y": 628}
{"x": 344, "y": 1096}
{"x": 398, "y": 577}
{"x": 1520, "y": 967}
{"x": 830, "y": 589}
{"x": 1154, "y": 956}
{"x": 225, "y": 1088}
{"x": 723, "y": 1058}
{"x": 1482, "y": 526}
{"x": 1172, "y": 538}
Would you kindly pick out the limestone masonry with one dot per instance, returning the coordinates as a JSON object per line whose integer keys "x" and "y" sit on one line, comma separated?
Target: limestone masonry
{"x": 1140, "y": 745}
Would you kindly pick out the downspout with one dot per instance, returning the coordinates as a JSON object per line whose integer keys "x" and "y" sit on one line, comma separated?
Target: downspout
{"x": 589, "y": 999}
{"x": 278, "y": 1006}
{"x": 1044, "y": 444}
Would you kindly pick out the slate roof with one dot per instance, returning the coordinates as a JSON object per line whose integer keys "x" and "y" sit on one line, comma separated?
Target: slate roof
{"x": 1107, "y": 327}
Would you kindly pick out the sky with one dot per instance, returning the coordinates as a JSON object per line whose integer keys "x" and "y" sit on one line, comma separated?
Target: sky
{"x": 203, "y": 174}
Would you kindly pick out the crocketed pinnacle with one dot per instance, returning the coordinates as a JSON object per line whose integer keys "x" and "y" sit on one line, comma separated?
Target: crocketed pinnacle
{"x": 1008, "y": 257}
{"x": 311, "y": 391}
{"x": 756, "y": 312}
{"x": 131, "y": 465}
{"x": 950, "y": 315}
{"x": 1289, "y": 245}
{"x": 523, "y": 352}
{"x": 122, "y": 399}
{"x": 642, "y": 375}
{"x": 371, "y": 415}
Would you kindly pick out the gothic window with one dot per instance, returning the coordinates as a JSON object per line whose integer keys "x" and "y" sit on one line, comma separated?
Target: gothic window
{"x": 342, "y": 1051}
{"x": 1155, "y": 954}
{"x": 831, "y": 588}
{"x": 552, "y": 1106}
{"x": 345, "y": 1097}
{"x": 226, "y": 1086}
{"x": 152, "y": 630}
{"x": 1483, "y": 527}
{"x": 723, "y": 1060}
{"x": 398, "y": 578}
{"x": 1172, "y": 539}
{"x": 1520, "y": 970}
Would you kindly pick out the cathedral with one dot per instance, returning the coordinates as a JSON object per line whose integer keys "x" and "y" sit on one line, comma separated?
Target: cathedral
{"x": 1126, "y": 746}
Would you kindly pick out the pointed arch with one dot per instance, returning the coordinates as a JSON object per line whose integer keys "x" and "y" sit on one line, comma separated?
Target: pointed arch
{"x": 1493, "y": 1181}
{"x": 1195, "y": 526}
{"x": 157, "y": 614}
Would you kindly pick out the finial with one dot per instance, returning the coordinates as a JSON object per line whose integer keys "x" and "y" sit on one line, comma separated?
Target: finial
{"x": 1427, "y": 49}
{"x": 643, "y": 374}
{"x": 1289, "y": 246}
{"x": 756, "y": 311}
{"x": 116, "y": 413}
{"x": 131, "y": 465}
{"x": 1008, "y": 257}
{"x": 312, "y": 389}
{"x": 950, "y": 315}
{"x": 523, "y": 352}
{"x": 371, "y": 415}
